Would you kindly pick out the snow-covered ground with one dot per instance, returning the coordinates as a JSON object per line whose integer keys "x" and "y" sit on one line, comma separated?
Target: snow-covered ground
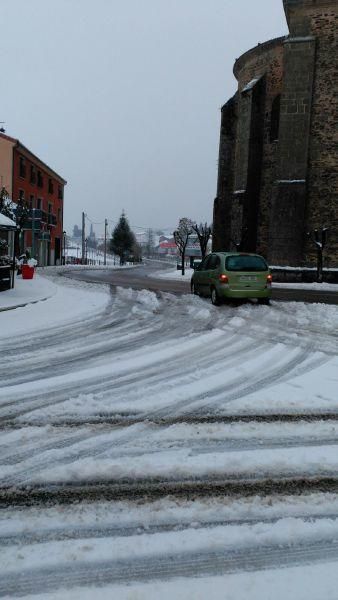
{"x": 250, "y": 548}
{"x": 110, "y": 392}
{"x": 27, "y": 291}
{"x": 46, "y": 306}
{"x": 176, "y": 275}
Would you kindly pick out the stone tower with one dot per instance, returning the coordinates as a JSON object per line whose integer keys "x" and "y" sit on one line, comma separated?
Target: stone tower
{"x": 278, "y": 163}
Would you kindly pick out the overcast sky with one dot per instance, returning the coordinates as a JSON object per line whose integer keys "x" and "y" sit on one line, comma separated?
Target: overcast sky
{"x": 122, "y": 97}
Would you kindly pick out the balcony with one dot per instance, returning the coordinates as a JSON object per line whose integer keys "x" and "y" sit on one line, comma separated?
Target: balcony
{"x": 38, "y": 216}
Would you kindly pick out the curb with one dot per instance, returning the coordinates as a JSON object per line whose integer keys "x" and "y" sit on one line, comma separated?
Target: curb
{"x": 6, "y": 308}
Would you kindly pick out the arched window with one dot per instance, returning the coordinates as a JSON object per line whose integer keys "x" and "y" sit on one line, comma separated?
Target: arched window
{"x": 275, "y": 115}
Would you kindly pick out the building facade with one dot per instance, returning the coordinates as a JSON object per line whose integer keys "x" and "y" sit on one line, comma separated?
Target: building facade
{"x": 27, "y": 178}
{"x": 278, "y": 159}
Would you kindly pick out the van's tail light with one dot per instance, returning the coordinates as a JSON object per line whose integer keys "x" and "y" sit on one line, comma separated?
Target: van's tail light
{"x": 269, "y": 278}
{"x": 224, "y": 278}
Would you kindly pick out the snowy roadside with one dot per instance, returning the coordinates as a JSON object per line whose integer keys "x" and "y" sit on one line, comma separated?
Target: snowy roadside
{"x": 64, "y": 302}
{"x": 174, "y": 275}
{"x": 177, "y": 276}
{"x": 27, "y": 291}
{"x": 111, "y": 266}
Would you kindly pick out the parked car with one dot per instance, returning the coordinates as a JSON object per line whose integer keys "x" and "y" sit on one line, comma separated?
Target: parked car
{"x": 224, "y": 275}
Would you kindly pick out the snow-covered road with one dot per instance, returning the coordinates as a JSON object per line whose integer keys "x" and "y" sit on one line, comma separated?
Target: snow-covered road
{"x": 136, "y": 388}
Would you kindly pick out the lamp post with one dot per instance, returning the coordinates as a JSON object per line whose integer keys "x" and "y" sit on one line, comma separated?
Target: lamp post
{"x": 64, "y": 240}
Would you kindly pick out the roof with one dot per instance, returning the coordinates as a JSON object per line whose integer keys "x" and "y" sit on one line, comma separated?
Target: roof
{"x": 6, "y": 223}
{"x": 18, "y": 144}
{"x": 257, "y": 50}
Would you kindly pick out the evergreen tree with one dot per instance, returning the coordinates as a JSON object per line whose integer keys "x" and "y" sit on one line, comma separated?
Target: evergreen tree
{"x": 123, "y": 240}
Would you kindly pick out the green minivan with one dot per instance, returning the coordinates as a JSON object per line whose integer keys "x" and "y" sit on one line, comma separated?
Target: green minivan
{"x": 224, "y": 275}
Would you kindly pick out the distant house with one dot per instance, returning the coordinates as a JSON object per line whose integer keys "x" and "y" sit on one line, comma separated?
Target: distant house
{"x": 27, "y": 178}
{"x": 167, "y": 246}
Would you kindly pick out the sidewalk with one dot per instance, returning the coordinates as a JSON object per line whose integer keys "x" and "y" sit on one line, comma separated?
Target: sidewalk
{"x": 27, "y": 291}
{"x": 44, "y": 304}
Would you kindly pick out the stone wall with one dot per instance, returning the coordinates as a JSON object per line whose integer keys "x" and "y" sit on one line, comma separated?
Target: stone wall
{"x": 279, "y": 189}
{"x": 222, "y": 204}
{"x": 322, "y": 204}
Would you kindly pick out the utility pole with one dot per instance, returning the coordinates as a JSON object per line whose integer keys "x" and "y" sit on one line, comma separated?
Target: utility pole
{"x": 83, "y": 238}
{"x": 33, "y": 232}
{"x": 105, "y": 241}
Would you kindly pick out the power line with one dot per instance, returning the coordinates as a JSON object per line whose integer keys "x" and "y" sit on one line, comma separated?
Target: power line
{"x": 115, "y": 221}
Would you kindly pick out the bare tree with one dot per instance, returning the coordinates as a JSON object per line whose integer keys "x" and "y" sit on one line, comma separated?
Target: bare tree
{"x": 181, "y": 237}
{"x": 203, "y": 232}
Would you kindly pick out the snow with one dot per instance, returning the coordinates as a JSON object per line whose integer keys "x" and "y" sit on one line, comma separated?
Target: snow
{"x": 175, "y": 275}
{"x": 249, "y": 86}
{"x": 307, "y": 583}
{"x": 174, "y": 512}
{"x": 211, "y": 539}
{"x": 6, "y": 222}
{"x": 291, "y": 180}
{"x": 176, "y": 464}
{"x": 66, "y": 302}
{"x": 74, "y": 251}
{"x": 194, "y": 527}
{"x": 167, "y": 363}
{"x": 329, "y": 287}
{"x": 27, "y": 291}
{"x": 307, "y": 38}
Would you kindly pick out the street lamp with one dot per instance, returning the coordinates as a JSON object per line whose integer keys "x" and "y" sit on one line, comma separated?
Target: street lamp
{"x": 64, "y": 235}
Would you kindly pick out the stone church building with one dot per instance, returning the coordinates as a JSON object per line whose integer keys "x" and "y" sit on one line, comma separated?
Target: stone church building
{"x": 278, "y": 157}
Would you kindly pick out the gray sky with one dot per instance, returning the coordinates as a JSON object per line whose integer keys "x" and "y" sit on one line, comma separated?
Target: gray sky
{"x": 122, "y": 97}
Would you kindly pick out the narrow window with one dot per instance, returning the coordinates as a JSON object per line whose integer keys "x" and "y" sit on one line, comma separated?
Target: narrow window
{"x": 275, "y": 116}
{"x": 22, "y": 167}
{"x": 33, "y": 175}
{"x": 50, "y": 186}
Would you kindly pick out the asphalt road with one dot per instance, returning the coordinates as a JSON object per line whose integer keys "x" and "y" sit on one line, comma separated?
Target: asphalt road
{"x": 140, "y": 278}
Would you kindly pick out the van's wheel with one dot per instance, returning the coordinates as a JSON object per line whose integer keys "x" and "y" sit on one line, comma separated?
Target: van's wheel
{"x": 264, "y": 301}
{"x": 193, "y": 289}
{"x": 214, "y": 297}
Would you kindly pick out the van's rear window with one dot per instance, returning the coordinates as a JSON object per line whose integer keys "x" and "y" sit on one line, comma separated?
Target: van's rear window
{"x": 243, "y": 262}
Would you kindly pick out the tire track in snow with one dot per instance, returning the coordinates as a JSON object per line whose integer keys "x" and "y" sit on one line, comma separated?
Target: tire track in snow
{"x": 166, "y": 567}
{"x": 236, "y": 388}
{"x": 151, "y": 374}
{"x": 136, "y": 529}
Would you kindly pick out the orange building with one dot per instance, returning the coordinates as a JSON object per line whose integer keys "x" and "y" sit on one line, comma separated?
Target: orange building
{"x": 27, "y": 177}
